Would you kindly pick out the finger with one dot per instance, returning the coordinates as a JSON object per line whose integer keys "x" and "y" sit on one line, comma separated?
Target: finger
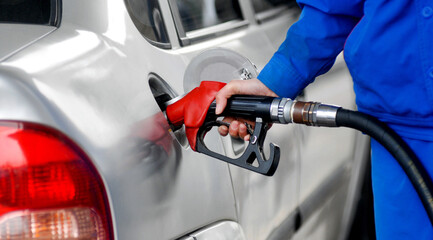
{"x": 225, "y": 93}
{"x": 247, "y": 137}
{"x": 241, "y": 120}
{"x": 221, "y": 99}
{"x": 221, "y": 103}
{"x": 234, "y": 129}
{"x": 243, "y": 131}
{"x": 223, "y": 130}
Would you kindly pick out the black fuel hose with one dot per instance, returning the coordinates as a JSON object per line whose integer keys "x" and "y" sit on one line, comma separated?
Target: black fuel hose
{"x": 398, "y": 148}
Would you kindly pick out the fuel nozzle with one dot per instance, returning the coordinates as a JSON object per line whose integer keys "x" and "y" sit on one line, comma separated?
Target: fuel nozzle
{"x": 196, "y": 111}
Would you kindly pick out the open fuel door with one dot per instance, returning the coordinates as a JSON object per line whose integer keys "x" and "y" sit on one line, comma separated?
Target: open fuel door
{"x": 222, "y": 65}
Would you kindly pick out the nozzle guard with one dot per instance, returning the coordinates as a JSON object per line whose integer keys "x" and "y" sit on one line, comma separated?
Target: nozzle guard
{"x": 253, "y": 151}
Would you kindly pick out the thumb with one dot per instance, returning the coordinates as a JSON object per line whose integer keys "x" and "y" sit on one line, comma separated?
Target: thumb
{"x": 221, "y": 103}
{"x": 221, "y": 99}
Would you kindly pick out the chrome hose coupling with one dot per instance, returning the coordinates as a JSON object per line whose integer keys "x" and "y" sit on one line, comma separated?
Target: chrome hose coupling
{"x": 285, "y": 110}
{"x": 281, "y": 110}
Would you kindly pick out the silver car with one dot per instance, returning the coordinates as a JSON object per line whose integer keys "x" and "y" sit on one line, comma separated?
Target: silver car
{"x": 86, "y": 153}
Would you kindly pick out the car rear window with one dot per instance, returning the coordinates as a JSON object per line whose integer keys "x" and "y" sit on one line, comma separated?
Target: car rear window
{"x": 147, "y": 17}
{"x": 265, "y": 5}
{"x": 43, "y": 12}
{"x": 201, "y": 14}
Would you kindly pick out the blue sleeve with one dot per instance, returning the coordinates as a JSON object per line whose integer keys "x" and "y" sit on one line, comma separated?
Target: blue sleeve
{"x": 311, "y": 44}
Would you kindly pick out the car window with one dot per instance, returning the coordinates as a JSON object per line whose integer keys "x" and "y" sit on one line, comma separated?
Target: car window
{"x": 198, "y": 20}
{"x": 147, "y": 17}
{"x": 43, "y": 12}
{"x": 264, "y": 5}
{"x": 267, "y": 9}
{"x": 197, "y": 14}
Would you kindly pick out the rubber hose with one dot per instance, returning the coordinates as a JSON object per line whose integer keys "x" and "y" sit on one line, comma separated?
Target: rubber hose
{"x": 397, "y": 147}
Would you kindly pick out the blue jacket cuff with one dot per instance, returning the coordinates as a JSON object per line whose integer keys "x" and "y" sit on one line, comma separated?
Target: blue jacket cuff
{"x": 282, "y": 78}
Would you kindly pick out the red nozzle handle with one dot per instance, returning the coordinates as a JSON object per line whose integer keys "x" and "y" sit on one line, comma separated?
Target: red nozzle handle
{"x": 191, "y": 110}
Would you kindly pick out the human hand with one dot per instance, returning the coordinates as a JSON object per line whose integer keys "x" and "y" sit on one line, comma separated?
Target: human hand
{"x": 238, "y": 127}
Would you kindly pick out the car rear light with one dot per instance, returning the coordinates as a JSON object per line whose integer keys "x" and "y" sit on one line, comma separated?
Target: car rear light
{"x": 49, "y": 189}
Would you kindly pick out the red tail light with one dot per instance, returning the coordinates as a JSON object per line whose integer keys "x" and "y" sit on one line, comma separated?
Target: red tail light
{"x": 48, "y": 187}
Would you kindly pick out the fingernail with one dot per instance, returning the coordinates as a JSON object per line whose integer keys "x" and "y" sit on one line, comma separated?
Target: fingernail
{"x": 218, "y": 109}
{"x": 223, "y": 130}
{"x": 234, "y": 125}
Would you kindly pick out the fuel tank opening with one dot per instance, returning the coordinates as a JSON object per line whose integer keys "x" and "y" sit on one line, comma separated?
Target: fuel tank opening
{"x": 164, "y": 94}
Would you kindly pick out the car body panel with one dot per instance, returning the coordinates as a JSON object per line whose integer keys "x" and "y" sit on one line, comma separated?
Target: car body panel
{"x": 218, "y": 231}
{"x": 19, "y": 36}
